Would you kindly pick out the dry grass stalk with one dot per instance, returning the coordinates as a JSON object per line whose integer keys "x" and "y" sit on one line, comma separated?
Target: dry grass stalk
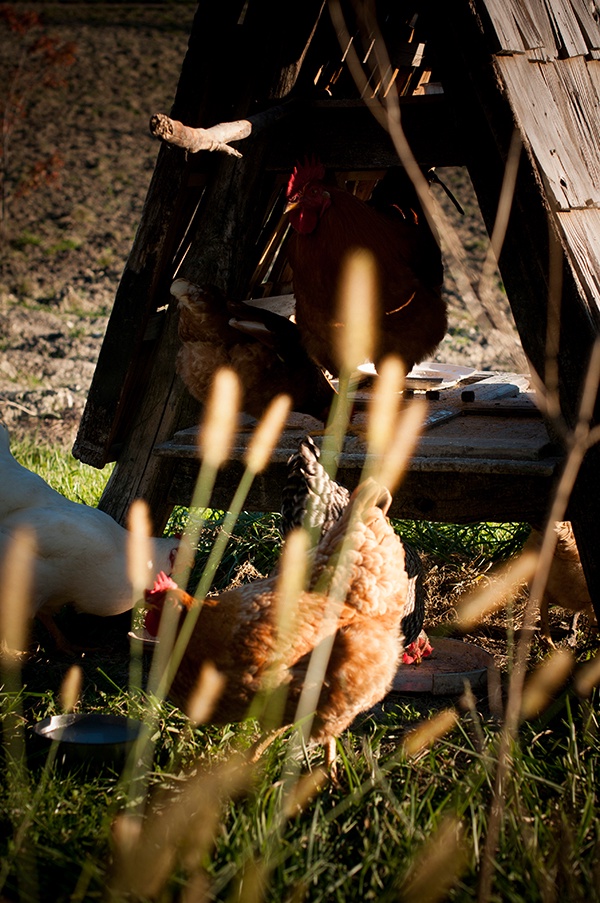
{"x": 425, "y": 734}
{"x": 588, "y": 676}
{"x": 215, "y": 438}
{"x": 265, "y": 436}
{"x": 438, "y": 866}
{"x": 543, "y": 684}
{"x": 138, "y": 546}
{"x": 220, "y": 418}
{"x": 70, "y": 688}
{"x": 385, "y": 404}
{"x": 505, "y": 201}
{"x": 293, "y": 575}
{"x": 15, "y": 599}
{"x": 357, "y": 303}
{"x": 503, "y": 585}
{"x": 179, "y": 829}
{"x": 392, "y": 467}
{"x": 205, "y": 694}
{"x": 304, "y": 791}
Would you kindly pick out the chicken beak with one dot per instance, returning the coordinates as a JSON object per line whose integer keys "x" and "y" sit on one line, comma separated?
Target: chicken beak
{"x": 291, "y": 205}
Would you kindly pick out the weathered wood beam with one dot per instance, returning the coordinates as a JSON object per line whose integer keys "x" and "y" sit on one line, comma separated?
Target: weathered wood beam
{"x": 347, "y": 135}
{"x": 341, "y": 133}
{"x": 436, "y": 494}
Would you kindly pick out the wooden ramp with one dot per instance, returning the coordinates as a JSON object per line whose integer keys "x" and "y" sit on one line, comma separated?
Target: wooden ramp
{"x": 485, "y": 454}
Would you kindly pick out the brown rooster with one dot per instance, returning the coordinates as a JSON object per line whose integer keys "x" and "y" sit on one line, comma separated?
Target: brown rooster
{"x": 312, "y": 499}
{"x": 263, "y": 348}
{"x": 328, "y": 223}
{"x": 238, "y": 630}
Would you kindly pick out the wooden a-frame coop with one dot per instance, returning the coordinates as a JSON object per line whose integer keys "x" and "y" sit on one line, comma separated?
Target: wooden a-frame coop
{"x": 530, "y": 66}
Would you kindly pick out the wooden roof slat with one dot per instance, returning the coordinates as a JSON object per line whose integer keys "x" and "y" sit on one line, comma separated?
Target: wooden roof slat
{"x": 539, "y": 12}
{"x": 516, "y": 30}
{"x": 565, "y": 22}
{"x": 544, "y": 29}
{"x": 581, "y": 232}
{"x": 557, "y": 106}
{"x": 589, "y": 25}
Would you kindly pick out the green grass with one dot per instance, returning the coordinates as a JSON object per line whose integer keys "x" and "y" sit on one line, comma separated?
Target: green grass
{"x": 355, "y": 840}
{"x": 362, "y": 838}
{"x": 58, "y": 467}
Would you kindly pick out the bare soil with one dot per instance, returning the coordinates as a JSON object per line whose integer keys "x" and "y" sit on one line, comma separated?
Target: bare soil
{"x": 64, "y": 246}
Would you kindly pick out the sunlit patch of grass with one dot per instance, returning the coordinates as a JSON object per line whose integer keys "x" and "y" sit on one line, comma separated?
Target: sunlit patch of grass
{"x": 356, "y": 839}
{"x": 57, "y": 466}
{"x": 253, "y": 548}
{"x": 477, "y": 542}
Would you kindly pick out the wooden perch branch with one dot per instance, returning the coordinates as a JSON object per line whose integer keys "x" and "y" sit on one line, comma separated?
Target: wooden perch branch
{"x": 217, "y": 137}
{"x": 194, "y": 140}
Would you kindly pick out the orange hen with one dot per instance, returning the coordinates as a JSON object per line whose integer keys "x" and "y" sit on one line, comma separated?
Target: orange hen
{"x": 328, "y": 223}
{"x": 238, "y": 630}
{"x": 566, "y": 585}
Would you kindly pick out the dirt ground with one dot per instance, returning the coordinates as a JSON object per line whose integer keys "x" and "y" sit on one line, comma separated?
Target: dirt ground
{"x": 65, "y": 245}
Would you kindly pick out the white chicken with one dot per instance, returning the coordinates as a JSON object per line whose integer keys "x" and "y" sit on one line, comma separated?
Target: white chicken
{"x": 80, "y": 551}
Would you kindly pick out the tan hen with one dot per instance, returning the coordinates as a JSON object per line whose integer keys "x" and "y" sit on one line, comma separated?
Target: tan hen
{"x": 263, "y": 348}
{"x": 360, "y": 561}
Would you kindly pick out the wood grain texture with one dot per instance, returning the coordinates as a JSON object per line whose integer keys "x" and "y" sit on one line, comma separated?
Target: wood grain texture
{"x": 544, "y": 29}
{"x": 556, "y": 107}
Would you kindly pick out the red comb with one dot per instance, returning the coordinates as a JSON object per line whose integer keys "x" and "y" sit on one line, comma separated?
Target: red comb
{"x": 309, "y": 171}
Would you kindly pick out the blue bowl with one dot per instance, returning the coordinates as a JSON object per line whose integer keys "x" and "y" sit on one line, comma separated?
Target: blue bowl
{"x": 89, "y": 740}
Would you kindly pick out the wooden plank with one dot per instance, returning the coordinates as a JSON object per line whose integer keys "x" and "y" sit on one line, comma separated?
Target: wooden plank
{"x": 522, "y": 405}
{"x": 432, "y": 489}
{"x": 587, "y": 17}
{"x": 557, "y": 106}
{"x": 345, "y": 135}
{"x": 474, "y": 436}
{"x": 581, "y": 232}
{"x": 549, "y": 48}
{"x": 516, "y": 30}
{"x": 545, "y": 29}
{"x": 565, "y": 17}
